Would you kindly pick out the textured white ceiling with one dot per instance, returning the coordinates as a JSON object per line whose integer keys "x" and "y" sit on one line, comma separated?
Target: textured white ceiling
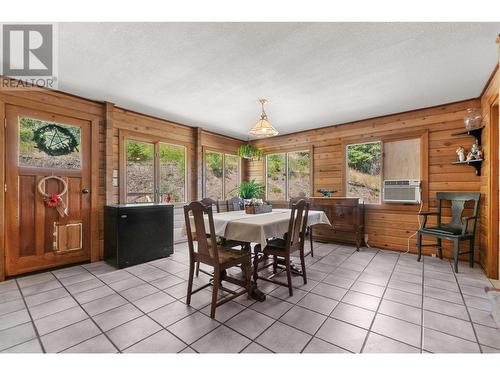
{"x": 314, "y": 74}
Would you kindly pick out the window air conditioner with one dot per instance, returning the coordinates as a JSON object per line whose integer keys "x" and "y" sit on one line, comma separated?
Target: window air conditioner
{"x": 401, "y": 191}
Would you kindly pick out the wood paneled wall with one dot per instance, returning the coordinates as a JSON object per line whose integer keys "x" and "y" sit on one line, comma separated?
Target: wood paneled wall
{"x": 386, "y": 227}
{"x": 390, "y": 226}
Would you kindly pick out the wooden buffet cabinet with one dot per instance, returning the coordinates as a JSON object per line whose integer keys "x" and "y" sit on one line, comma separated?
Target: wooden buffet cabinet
{"x": 347, "y": 216}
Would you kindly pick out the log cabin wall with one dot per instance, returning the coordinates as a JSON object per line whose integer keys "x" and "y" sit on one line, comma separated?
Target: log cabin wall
{"x": 388, "y": 227}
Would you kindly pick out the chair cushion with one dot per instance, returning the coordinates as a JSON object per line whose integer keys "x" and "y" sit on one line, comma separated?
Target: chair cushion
{"x": 228, "y": 255}
{"x": 444, "y": 229}
{"x": 277, "y": 242}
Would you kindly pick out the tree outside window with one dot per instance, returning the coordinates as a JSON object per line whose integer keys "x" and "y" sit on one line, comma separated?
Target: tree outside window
{"x": 222, "y": 175}
{"x": 288, "y": 175}
{"x": 364, "y": 177}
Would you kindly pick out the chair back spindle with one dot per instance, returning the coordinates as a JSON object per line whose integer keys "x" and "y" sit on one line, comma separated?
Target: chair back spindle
{"x": 207, "y": 242}
{"x": 297, "y": 225}
{"x": 458, "y": 201}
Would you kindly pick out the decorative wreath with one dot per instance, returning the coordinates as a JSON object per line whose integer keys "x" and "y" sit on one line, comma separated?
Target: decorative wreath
{"x": 54, "y": 200}
{"x": 55, "y": 140}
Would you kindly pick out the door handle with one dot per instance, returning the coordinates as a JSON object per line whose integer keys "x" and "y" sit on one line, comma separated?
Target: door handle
{"x": 85, "y": 191}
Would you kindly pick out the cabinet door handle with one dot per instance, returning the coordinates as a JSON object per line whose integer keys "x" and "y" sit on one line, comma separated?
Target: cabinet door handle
{"x": 85, "y": 191}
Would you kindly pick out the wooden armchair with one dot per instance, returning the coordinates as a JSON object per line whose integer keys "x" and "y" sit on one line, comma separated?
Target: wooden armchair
{"x": 283, "y": 248}
{"x": 309, "y": 232}
{"x": 457, "y": 230}
{"x": 210, "y": 253}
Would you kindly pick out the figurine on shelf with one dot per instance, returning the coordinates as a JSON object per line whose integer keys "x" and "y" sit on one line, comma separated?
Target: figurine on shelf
{"x": 460, "y": 154}
{"x": 475, "y": 153}
{"x": 480, "y": 153}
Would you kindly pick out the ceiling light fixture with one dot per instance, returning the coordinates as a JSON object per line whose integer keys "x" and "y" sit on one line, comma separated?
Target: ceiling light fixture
{"x": 263, "y": 128}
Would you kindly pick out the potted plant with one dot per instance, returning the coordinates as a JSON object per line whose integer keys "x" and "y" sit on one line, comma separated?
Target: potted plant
{"x": 247, "y": 151}
{"x": 251, "y": 189}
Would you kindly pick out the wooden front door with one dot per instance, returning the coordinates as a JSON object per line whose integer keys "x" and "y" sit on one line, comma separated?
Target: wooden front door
{"x": 38, "y": 145}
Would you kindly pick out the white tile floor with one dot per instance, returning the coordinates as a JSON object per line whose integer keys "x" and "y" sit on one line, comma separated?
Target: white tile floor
{"x": 367, "y": 301}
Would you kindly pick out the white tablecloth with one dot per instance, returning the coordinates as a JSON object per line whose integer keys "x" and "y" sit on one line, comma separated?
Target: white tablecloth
{"x": 239, "y": 226}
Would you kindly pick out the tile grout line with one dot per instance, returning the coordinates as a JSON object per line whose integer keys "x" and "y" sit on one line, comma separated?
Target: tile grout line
{"x": 246, "y": 307}
{"x": 275, "y": 319}
{"x": 295, "y": 304}
{"x": 468, "y": 313}
{"x": 379, "y": 304}
{"x": 90, "y": 317}
{"x": 144, "y": 313}
{"x": 329, "y": 315}
{"x": 422, "y": 341}
{"x": 176, "y": 299}
{"x": 348, "y": 289}
{"x": 31, "y": 321}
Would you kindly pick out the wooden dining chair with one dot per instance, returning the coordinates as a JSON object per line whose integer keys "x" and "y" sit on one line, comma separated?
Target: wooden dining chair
{"x": 235, "y": 204}
{"x": 208, "y": 202}
{"x": 309, "y": 232}
{"x": 211, "y": 202}
{"x": 283, "y": 248}
{"x": 212, "y": 254}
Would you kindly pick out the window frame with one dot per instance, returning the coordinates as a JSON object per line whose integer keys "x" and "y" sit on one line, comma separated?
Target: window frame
{"x": 286, "y": 152}
{"x": 204, "y": 169}
{"x": 124, "y": 136}
{"x": 424, "y": 167}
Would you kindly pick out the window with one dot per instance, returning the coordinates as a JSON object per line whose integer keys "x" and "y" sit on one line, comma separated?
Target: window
{"x": 45, "y": 144}
{"x": 288, "y": 175}
{"x": 140, "y": 172}
{"x": 172, "y": 161}
{"x": 364, "y": 171}
{"x": 276, "y": 177}
{"x": 231, "y": 175}
{"x": 153, "y": 170}
{"x": 214, "y": 175}
{"x": 222, "y": 175}
{"x": 299, "y": 177}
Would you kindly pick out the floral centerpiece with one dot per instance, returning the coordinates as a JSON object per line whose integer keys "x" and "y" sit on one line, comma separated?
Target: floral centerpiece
{"x": 257, "y": 206}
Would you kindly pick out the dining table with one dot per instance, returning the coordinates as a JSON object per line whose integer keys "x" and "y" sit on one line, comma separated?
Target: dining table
{"x": 246, "y": 228}
{"x": 257, "y": 228}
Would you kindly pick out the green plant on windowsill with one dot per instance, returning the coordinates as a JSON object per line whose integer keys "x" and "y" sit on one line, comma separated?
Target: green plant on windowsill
{"x": 247, "y": 151}
{"x": 251, "y": 189}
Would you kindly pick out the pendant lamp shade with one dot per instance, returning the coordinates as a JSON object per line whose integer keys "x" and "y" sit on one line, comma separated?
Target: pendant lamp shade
{"x": 263, "y": 128}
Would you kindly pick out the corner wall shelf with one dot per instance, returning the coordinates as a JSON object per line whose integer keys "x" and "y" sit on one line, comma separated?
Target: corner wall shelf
{"x": 476, "y": 163}
{"x": 476, "y": 133}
